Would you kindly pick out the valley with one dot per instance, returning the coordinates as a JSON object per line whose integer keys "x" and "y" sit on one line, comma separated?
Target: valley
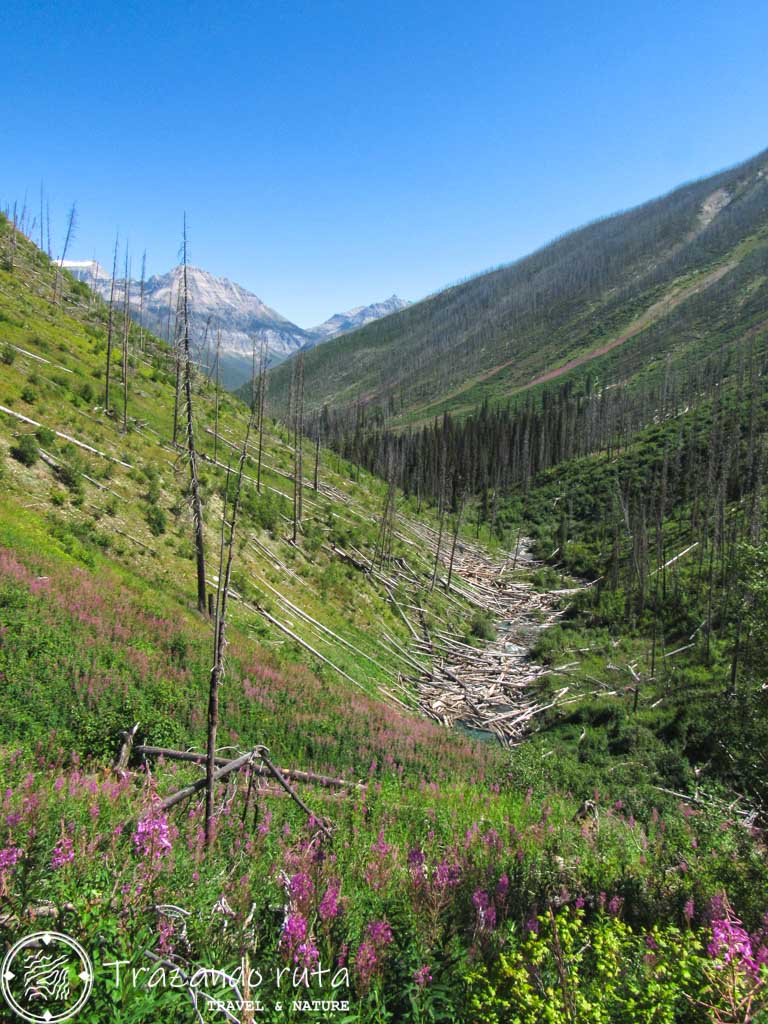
{"x": 488, "y": 650}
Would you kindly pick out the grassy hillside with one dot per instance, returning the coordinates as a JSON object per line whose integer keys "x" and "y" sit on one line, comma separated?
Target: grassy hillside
{"x": 460, "y": 882}
{"x": 599, "y": 289}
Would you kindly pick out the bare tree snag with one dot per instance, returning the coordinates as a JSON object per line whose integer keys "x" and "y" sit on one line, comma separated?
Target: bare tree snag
{"x": 298, "y": 427}
{"x": 71, "y": 224}
{"x": 456, "y": 528}
{"x": 110, "y": 328}
{"x": 141, "y": 300}
{"x": 219, "y": 629}
{"x": 197, "y": 506}
{"x": 262, "y": 407}
{"x": 216, "y": 399}
{"x": 126, "y": 332}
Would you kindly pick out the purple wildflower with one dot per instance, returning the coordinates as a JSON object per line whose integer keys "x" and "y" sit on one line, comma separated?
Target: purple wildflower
{"x": 152, "y": 838}
{"x": 731, "y": 943}
{"x": 486, "y": 912}
{"x": 380, "y": 934}
{"x": 306, "y": 954}
{"x": 9, "y": 856}
{"x": 301, "y": 888}
{"x": 422, "y": 976}
{"x": 294, "y": 933}
{"x": 366, "y": 964}
{"x": 329, "y": 904}
{"x": 447, "y": 874}
{"x": 532, "y": 925}
{"x": 381, "y": 846}
{"x": 63, "y": 853}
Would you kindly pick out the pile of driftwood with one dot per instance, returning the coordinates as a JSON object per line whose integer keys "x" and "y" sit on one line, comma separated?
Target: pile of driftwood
{"x": 488, "y": 687}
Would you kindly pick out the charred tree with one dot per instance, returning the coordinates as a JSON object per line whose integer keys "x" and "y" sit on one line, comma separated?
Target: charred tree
{"x": 220, "y": 622}
{"x": 110, "y": 329}
{"x": 197, "y": 505}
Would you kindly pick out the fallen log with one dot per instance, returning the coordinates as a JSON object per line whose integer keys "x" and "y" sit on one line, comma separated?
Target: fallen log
{"x": 297, "y": 775}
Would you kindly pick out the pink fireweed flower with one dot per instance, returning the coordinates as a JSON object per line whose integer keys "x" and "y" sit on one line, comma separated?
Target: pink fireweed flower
{"x": 416, "y": 863}
{"x": 422, "y": 976}
{"x": 152, "y": 838}
{"x": 733, "y": 944}
{"x": 367, "y": 964}
{"x": 447, "y": 874}
{"x": 532, "y": 925}
{"x": 294, "y": 934}
{"x": 301, "y": 888}
{"x": 381, "y": 846}
{"x": 486, "y": 912}
{"x": 380, "y": 934}
{"x": 306, "y": 954}
{"x": 9, "y": 856}
{"x": 372, "y": 951}
{"x": 329, "y": 904}
{"x": 63, "y": 853}
{"x": 166, "y": 933}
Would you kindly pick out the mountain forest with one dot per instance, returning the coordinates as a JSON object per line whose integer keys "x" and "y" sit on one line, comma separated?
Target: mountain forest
{"x": 423, "y": 678}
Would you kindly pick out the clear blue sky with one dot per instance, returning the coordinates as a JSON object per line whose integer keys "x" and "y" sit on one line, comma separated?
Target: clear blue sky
{"x": 329, "y": 154}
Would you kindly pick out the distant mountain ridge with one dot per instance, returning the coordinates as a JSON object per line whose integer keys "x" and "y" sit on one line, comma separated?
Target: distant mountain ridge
{"x": 218, "y": 304}
{"x": 340, "y": 323}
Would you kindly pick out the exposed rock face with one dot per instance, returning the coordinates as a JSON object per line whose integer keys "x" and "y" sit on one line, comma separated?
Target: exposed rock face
{"x": 240, "y": 315}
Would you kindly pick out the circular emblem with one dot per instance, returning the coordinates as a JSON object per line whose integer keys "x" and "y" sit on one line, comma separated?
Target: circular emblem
{"x": 46, "y": 977}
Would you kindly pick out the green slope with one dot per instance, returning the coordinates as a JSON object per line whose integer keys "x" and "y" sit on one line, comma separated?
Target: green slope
{"x": 586, "y": 293}
{"x": 126, "y": 491}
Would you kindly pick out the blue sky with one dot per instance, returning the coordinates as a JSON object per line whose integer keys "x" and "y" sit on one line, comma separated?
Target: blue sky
{"x": 329, "y": 154}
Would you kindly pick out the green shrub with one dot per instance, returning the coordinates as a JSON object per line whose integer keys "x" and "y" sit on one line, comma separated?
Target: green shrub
{"x": 25, "y": 450}
{"x": 157, "y": 521}
{"x": 482, "y": 626}
{"x": 70, "y": 476}
{"x": 45, "y": 436}
{"x": 568, "y": 968}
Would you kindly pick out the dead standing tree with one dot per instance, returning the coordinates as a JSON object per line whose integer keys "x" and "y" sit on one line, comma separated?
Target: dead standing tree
{"x": 141, "y": 299}
{"x": 383, "y": 551}
{"x": 220, "y": 621}
{"x": 177, "y": 344}
{"x": 110, "y": 329}
{"x": 197, "y": 506}
{"x": 126, "y": 332}
{"x": 441, "y": 507}
{"x": 456, "y": 528}
{"x": 263, "y": 361}
{"x": 71, "y": 225}
{"x": 216, "y": 398}
{"x": 298, "y": 447}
